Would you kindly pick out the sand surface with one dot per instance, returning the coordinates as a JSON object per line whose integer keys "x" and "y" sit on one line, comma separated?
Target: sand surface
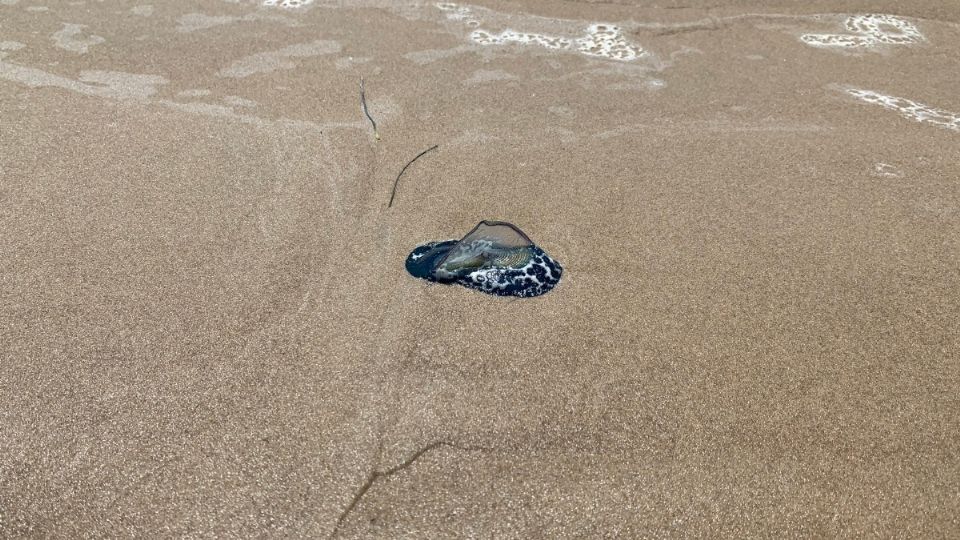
{"x": 206, "y": 328}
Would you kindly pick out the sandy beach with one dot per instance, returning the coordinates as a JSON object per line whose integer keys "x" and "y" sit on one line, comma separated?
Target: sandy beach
{"x": 207, "y": 330}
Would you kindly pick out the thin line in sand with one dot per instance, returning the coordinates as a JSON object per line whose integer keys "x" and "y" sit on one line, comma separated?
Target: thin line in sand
{"x": 397, "y": 181}
{"x": 375, "y": 475}
{"x": 363, "y": 105}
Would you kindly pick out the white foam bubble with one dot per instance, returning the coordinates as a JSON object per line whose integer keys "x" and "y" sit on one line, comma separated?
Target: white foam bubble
{"x": 907, "y": 108}
{"x": 868, "y": 31}
{"x": 455, "y": 12}
{"x": 600, "y": 40}
{"x": 885, "y": 170}
{"x": 510, "y": 36}
{"x": 288, "y": 4}
{"x": 607, "y": 41}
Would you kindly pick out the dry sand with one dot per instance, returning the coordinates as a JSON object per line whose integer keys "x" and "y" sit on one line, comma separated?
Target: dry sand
{"x": 206, "y": 328}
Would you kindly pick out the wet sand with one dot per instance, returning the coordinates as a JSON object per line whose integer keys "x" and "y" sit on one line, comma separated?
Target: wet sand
{"x": 206, "y": 327}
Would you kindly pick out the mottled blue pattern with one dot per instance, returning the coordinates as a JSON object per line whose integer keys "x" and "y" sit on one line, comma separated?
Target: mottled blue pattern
{"x": 537, "y": 277}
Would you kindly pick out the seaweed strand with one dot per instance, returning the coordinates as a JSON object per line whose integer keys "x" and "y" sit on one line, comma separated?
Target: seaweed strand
{"x": 363, "y": 105}
{"x": 397, "y": 181}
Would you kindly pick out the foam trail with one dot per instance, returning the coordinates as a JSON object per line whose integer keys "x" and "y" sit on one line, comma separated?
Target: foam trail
{"x": 868, "y": 31}
{"x": 289, "y": 4}
{"x": 908, "y": 108}
{"x": 598, "y": 40}
{"x": 885, "y": 170}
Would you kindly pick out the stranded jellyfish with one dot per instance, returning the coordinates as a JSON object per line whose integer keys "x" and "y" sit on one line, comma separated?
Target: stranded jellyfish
{"x": 495, "y": 257}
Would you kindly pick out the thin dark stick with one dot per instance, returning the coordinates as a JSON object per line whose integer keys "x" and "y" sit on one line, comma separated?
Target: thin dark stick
{"x": 397, "y": 181}
{"x": 363, "y": 103}
{"x": 376, "y": 475}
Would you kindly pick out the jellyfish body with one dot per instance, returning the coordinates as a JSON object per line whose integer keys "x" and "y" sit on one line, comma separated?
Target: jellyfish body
{"x": 495, "y": 257}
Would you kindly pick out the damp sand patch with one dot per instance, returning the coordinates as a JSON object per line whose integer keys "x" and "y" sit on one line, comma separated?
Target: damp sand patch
{"x": 284, "y": 58}
{"x": 68, "y": 38}
{"x": 193, "y": 22}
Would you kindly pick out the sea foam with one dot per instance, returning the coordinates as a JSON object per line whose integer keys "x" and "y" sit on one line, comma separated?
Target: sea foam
{"x": 908, "y": 108}
{"x": 598, "y": 40}
{"x": 868, "y": 31}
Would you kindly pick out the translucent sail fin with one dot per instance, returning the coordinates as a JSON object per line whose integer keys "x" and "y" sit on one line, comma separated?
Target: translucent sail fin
{"x": 489, "y": 244}
{"x": 495, "y": 257}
